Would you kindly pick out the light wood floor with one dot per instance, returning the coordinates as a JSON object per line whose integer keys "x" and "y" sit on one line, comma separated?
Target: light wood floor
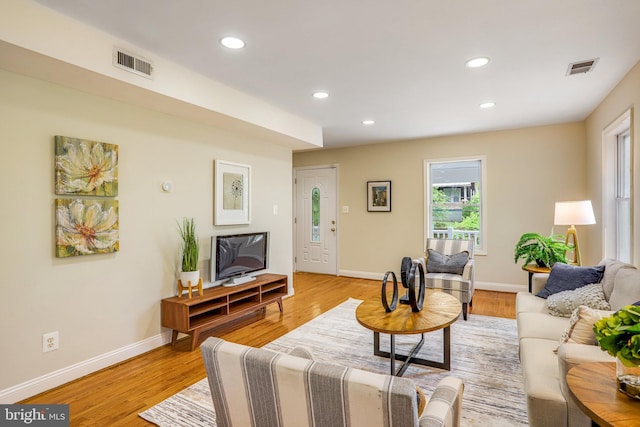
{"x": 114, "y": 396}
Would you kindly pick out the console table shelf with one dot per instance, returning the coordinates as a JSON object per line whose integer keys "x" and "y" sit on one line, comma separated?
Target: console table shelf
{"x": 220, "y": 305}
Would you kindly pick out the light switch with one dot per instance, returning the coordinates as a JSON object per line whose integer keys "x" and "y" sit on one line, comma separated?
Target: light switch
{"x": 345, "y": 209}
{"x": 275, "y": 209}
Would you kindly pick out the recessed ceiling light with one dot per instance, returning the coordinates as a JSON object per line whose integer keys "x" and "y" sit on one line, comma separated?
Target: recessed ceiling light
{"x": 320, "y": 94}
{"x": 477, "y": 62}
{"x": 489, "y": 104}
{"x": 368, "y": 122}
{"x": 232, "y": 42}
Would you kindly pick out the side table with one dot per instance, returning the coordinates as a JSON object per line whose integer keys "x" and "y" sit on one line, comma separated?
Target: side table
{"x": 594, "y": 388}
{"x": 534, "y": 268}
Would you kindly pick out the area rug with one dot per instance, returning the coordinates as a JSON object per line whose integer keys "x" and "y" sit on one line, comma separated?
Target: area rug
{"x": 484, "y": 354}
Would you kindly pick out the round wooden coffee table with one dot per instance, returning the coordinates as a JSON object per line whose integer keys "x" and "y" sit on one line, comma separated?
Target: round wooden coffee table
{"x": 439, "y": 311}
{"x": 594, "y": 388}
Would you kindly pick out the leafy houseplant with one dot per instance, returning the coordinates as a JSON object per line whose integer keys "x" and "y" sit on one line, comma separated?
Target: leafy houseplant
{"x": 190, "y": 250}
{"x": 544, "y": 251}
{"x": 619, "y": 335}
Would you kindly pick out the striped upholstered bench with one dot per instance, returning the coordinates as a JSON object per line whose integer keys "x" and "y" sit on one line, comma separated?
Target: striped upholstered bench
{"x": 262, "y": 388}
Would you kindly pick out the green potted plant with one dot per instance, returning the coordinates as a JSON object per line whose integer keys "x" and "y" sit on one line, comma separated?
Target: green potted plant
{"x": 542, "y": 250}
{"x": 190, "y": 253}
{"x": 619, "y": 335}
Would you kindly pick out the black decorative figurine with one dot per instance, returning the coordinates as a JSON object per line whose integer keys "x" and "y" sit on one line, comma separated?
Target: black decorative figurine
{"x": 408, "y": 277}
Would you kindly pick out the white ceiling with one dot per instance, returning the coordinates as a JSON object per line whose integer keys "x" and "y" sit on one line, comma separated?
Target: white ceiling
{"x": 400, "y": 63}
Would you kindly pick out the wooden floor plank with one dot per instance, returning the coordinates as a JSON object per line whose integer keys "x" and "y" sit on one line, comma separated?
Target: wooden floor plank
{"x": 114, "y": 396}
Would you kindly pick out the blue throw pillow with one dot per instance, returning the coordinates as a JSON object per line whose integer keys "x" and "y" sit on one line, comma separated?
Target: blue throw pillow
{"x": 564, "y": 277}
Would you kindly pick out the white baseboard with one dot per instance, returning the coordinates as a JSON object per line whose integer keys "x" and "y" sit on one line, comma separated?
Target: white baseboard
{"x": 501, "y": 287}
{"x": 487, "y": 286}
{"x": 61, "y": 376}
{"x": 361, "y": 274}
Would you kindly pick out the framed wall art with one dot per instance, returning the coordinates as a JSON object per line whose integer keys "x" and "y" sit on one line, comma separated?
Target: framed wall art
{"x": 232, "y": 183}
{"x": 86, "y": 227}
{"x": 85, "y": 168}
{"x": 378, "y": 196}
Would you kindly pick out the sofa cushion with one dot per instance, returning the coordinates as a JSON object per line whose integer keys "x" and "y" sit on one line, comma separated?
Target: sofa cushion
{"x": 528, "y": 303}
{"x": 541, "y": 325}
{"x": 626, "y": 288}
{"x": 438, "y": 262}
{"x": 611, "y": 268}
{"x": 564, "y": 303}
{"x": 546, "y": 405}
{"x": 564, "y": 277}
{"x": 580, "y": 329}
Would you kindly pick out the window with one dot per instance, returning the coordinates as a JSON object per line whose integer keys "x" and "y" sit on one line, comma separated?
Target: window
{"x": 617, "y": 226}
{"x": 454, "y": 196}
{"x": 315, "y": 214}
{"x": 623, "y": 196}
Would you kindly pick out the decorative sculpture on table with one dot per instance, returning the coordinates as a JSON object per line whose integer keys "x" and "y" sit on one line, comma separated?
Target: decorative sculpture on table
{"x": 394, "y": 300}
{"x": 416, "y": 301}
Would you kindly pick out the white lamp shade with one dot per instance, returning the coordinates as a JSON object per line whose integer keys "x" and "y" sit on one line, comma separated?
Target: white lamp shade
{"x": 574, "y": 213}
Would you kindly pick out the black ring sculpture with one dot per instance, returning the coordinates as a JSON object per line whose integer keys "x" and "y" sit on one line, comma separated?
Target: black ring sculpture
{"x": 416, "y": 304}
{"x": 394, "y": 301}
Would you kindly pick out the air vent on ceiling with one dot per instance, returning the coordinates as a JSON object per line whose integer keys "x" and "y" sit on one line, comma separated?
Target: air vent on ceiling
{"x": 133, "y": 63}
{"x": 581, "y": 67}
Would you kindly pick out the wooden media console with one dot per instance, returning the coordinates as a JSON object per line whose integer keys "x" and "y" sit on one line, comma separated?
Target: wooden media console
{"x": 220, "y": 305}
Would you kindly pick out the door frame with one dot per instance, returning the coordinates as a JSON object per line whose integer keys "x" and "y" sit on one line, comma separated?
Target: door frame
{"x": 295, "y": 211}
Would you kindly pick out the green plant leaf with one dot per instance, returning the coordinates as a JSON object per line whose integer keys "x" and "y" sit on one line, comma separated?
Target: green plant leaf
{"x": 190, "y": 246}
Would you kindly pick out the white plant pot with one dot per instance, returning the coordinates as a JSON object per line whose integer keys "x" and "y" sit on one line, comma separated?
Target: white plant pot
{"x": 190, "y": 276}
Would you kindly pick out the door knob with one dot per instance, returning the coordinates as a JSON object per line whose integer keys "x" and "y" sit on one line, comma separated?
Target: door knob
{"x": 333, "y": 229}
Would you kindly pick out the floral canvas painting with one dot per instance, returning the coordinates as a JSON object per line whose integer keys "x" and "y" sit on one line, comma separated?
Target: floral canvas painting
{"x": 86, "y": 168}
{"x": 86, "y": 227}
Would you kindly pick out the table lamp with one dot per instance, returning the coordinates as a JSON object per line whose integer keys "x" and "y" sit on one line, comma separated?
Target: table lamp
{"x": 572, "y": 214}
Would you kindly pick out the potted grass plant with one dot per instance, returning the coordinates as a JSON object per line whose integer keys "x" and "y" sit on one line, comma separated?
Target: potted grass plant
{"x": 542, "y": 250}
{"x": 189, "y": 274}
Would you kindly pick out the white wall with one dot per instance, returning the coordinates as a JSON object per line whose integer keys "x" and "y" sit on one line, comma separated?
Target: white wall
{"x": 528, "y": 170}
{"x": 626, "y": 95}
{"x": 106, "y": 304}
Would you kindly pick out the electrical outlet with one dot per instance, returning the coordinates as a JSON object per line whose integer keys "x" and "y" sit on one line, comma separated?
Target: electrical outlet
{"x": 50, "y": 341}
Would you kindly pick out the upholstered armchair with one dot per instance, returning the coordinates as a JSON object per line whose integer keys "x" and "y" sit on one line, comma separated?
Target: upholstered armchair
{"x": 259, "y": 387}
{"x": 448, "y": 265}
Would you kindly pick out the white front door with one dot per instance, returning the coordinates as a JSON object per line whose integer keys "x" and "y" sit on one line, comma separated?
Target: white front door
{"x": 316, "y": 227}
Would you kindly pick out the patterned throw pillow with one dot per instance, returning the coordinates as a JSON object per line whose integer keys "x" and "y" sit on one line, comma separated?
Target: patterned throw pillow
{"x": 564, "y": 303}
{"x": 440, "y": 263}
{"x": 580, "y": 329}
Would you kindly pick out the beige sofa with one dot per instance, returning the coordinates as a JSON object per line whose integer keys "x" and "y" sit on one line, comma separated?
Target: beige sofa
{"x": 547, "y": 347}
{"x": 255, "y": 386}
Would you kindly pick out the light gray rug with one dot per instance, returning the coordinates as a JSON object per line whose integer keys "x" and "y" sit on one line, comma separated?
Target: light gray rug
{"x": 484, "y": 354}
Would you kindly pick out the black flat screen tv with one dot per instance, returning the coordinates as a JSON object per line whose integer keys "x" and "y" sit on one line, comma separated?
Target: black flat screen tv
{"x": 235, "y": 256}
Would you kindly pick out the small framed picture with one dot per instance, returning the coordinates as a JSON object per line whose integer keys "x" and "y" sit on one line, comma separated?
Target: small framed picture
{"x": 378, "y": 196}
{"x": 232, "y": 197}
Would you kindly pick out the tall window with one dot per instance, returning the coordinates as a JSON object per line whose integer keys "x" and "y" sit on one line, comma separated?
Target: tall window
{"x": 454, "y": 199}
{"x": 617, "y": 195}
{"x": 623, "y": 196}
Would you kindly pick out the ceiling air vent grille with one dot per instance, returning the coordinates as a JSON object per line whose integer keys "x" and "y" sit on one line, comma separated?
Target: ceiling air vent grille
{"x": 132, "y": 63}
{"x": 581, "y": 67}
